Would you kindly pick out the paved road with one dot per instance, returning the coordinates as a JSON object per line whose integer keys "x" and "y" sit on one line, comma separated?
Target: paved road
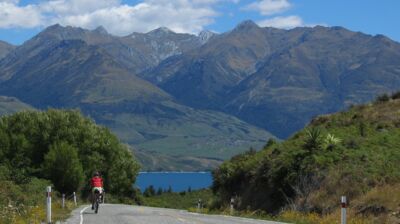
{"x": 124, "y": 214}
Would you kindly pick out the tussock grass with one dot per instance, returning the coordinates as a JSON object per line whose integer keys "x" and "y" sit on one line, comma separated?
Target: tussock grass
{"x": 314, "y": 218}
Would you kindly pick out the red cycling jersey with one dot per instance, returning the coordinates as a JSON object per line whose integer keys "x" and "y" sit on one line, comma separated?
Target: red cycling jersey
{"x": 96, "y": 182}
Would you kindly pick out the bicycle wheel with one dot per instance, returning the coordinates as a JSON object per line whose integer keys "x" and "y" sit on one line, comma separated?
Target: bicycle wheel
{"x": 96, "y": 205}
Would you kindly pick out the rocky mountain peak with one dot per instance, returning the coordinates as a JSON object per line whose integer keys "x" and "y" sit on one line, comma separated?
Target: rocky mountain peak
{"x": 205, "y": 35}
{"x": 246, "y": 25}
{"x": 61, "y": 32}
{"x": 54, "y": 27}
{"x": 100, "y": 30}
{"x": 160, "y": 32}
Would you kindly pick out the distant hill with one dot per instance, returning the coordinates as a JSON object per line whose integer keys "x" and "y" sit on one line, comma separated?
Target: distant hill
{"x": 279, "y": 79}
{"x": 5, "y": 48}
{"x": 10, "y": 105}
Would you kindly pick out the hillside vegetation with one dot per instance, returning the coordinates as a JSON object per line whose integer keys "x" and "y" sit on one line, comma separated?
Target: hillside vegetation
{"x": 59, "y": 148}
{"x": 354, "y": 153}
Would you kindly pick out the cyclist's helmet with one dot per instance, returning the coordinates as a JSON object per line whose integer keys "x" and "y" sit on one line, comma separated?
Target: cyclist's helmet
{"x": 96, "y": 174}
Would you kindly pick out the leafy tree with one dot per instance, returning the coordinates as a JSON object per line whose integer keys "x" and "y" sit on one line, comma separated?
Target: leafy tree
{"x": 32, "y": 144}
{"x": 149, "y": 191}
{"x": 63, "y": 168}
{"x": 383, "y": 98}
{"x": 396, "y": 95}
{"x": 270, "y": 142}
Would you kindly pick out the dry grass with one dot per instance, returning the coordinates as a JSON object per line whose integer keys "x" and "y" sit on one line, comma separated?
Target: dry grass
{"x": 313, "y": 218}
{"x": 382, "y": 204}
{"x": 387, "y": 112}
{"x": 36, "y": 214}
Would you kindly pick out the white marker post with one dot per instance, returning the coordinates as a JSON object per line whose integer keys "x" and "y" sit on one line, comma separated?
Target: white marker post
{"x": 199, "y": 206}
{"x": 48, "y": 204}
{"x": 232, "y": 208}
{"x": 63, "y": 201}
{"x": 344, "y": 205}
{"x": 75, "y": 199}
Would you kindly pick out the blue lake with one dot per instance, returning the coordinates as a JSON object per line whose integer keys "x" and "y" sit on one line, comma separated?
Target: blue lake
{"x": 179, "y": 181}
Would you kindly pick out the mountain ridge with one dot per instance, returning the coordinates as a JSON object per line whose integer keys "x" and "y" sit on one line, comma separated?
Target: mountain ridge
{"x": 252, "y": 70}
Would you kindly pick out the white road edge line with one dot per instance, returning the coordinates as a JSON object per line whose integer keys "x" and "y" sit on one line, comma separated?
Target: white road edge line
{"x": 81, "y": 222}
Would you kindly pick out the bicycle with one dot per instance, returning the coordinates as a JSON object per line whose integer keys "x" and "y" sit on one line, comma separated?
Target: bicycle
{"x": 98, "y": 200}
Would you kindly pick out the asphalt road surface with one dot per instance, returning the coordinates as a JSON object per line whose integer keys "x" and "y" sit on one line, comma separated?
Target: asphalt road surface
{"x": 124, "y": 214}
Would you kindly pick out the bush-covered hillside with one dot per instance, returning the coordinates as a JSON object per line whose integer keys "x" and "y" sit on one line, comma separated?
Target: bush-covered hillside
{"x": 61, "y": 148}
{"x": 353, "y": 153}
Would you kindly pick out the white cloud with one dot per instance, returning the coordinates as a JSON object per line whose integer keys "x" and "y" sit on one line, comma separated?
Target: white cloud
{"x": 74, "y": 7}
{"x": 10, "y": 1}
{"x": 179, "y": 15}
{"x": 184, "y": 16}
{"x": 12, "y": 15}
{"x": 268, "y": 7}
{"x": 282, "y": 22}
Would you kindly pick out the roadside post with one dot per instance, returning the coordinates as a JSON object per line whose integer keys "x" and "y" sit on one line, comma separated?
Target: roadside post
{"x": 75, "y": 199}
{"x": 63, "y": 201}
{"x": 232, "y": 203}
{"x": 344, "y": 206}
{"x": 48, "y": 204}
{"x": 199, "y": 205}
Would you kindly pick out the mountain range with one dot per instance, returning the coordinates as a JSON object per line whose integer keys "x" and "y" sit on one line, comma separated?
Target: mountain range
{"x": 188, "y": 101}
{"x": 280, "y": 79}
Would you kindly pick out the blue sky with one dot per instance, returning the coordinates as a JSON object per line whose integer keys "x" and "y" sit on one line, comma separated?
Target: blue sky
{"x": 22, "y": 19}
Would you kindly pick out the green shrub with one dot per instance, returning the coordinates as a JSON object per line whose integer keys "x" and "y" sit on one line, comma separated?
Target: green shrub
{"x": 383, "y": 98}
{"x": 149, "y": 191}
{"x": 396, "y": 95}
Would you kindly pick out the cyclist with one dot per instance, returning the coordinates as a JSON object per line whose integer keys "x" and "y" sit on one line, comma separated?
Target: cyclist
{"x": 96, "y": 183}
